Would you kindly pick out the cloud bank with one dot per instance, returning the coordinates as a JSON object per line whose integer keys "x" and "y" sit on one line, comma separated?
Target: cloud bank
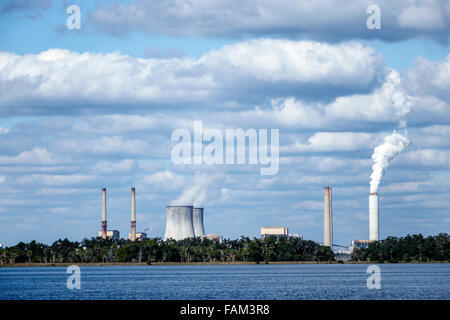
{"x": 328, "y": 20}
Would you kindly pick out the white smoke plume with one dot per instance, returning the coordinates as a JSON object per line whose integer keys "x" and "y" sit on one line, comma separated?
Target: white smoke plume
{"x": 393, "y": 144}
{"x": 383, "y": 154}
{"x": 200, "y": 190}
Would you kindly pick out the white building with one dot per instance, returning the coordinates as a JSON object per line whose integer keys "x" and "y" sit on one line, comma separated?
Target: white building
{"x": 113, "y": 234}
{"x": 139, "y": 236}
{"x": 213, "y": 236}
{"x": 274, "y": 231}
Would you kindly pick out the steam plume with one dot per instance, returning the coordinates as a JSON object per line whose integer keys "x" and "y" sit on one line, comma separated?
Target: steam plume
{"x": 200, "y": 189}
{"x": 383, "y": 154}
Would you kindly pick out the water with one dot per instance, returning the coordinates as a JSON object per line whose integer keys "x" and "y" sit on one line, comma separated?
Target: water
{"x": 289, "y": 281}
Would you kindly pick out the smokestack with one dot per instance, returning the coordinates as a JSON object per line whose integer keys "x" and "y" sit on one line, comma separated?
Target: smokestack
{"x": 179, "y": 224}
{"x": 197, "y": 215}
{"x": 133, "y": 215}
{"x": 104, "y": 227}
{"x": 327, "y": 218}
{"x": 373, "y": 216}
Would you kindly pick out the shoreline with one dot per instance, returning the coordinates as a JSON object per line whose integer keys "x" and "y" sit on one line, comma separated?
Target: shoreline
{"x": 107, "y": 264}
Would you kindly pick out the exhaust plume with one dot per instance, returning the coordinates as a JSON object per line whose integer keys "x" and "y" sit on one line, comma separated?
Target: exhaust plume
{"x": 200, "y": 189}
{"x": 383, "y": 154}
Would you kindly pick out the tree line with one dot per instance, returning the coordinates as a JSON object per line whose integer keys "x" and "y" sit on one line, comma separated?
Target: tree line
{"x": 98, "y": 250}
{"x": 406, "y": 249}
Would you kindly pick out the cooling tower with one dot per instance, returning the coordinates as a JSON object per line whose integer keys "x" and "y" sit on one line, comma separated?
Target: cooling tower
{"x": 179, "y": 224}
{"x": 133, "y": 215}
{"x": 104, "y": 228}
{"x": 327, "y": 218}
{"x": 373, "y": 217}
{"x": 197, "y": 218}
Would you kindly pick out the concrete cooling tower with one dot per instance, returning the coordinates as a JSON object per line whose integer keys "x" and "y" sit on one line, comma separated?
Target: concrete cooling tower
{"x": 197, "y": 215}
{"x": 179, "y": 224}
{"x": 373, "y": 217}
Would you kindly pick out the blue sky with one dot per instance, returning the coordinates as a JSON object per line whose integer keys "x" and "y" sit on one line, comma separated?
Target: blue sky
{"x": 92, "y": 108}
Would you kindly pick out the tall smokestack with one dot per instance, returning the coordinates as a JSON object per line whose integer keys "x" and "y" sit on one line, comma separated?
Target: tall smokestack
{"x": 373, "y": 216}
{"x": 104, "y": 227}
{"x": 197, "y": 217}
{"x": 133, "y": 215}
{"x": 327, "y": 218}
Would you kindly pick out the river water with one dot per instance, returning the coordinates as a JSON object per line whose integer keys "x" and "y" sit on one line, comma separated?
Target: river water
{"x": 223, "y": 282}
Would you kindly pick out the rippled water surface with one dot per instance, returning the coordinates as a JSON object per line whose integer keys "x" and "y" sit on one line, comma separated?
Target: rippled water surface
{"x": 288, "y": 281}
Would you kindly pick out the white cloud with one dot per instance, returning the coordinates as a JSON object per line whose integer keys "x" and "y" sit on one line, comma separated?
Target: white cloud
{"x": 308, "y": 204}
{"x": 111, "y": 167}
{"x": 429, "y": 16}
{"x": 231, "y": 74}
{"x": 327, "y": 19}
{"x": 34, "y": 156}
{"x": 428, "y": 157}
{"x": 121, "y": 123}
{"x": 165, "y": 180}
{"x": 333, "y": 141}
{"x": 435, "y": 136}
{"x": 388, "y": 103}
{"x": 430, "y": 78}
{"x": 54, "y": 180}
{"x": 4, "y": 130}
{"x": 105, "y": 145}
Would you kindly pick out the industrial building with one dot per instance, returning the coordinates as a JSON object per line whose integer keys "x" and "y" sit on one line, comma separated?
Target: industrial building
{"x": 113, "y": 234}
{"x": 213, "y": 236}
{"x": 138, "y": 236}
{"x": 360, "y": 244}
{"x": 274, "y": 231}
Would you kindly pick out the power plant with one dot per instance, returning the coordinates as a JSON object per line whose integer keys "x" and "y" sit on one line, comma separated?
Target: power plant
{"x": 114, "y": 234}
{"x": 328, "y": 218}
{"x": 373, "y": 217}
{"x": 187, "y": 222}
{"x": 274, "y": 231}
{"x": 328, "y": 221}
{"x": 182, "y": 222}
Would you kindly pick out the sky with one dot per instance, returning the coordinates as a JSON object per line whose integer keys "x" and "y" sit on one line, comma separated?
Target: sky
{"x": 82, "y": 109}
